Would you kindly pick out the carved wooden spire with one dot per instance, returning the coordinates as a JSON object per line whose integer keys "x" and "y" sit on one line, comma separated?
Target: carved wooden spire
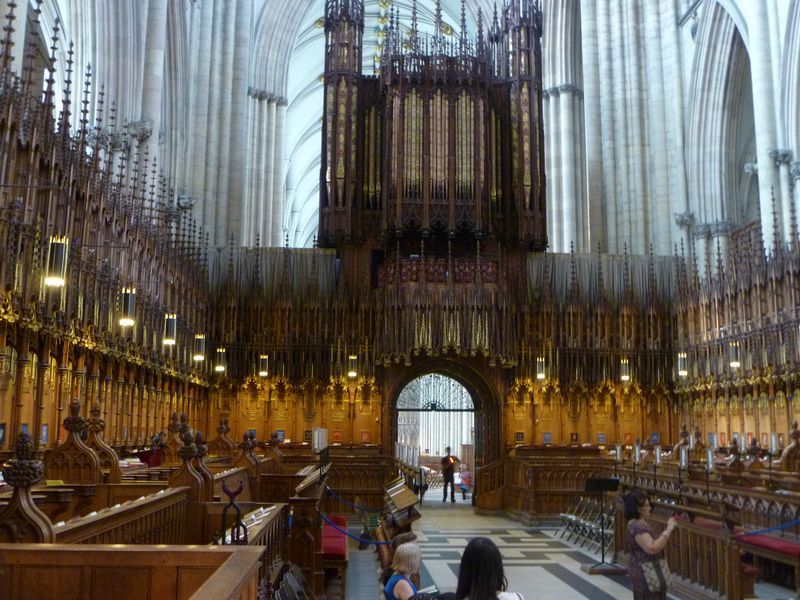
{"x": 73, "y": 461}
{"x": 201, "y": 468}
{"x": 21, "y": 521}
{"x": 109, "y": 461}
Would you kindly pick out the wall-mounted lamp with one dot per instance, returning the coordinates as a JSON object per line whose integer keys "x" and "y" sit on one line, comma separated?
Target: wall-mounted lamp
{"x": 682, "y": 365}
{"x": 540, "y": 373}
{"x": 127, "y": 316}
{"x": 263, "y": 365}
{"x": 219, "y": 360}
{"x": 734, "y": 359}
{"x": 199, "y": 353}
{"x": 170, "y": 329}
{"x": 624, "y": 369}
{"x": 57, "y": 252}
{"x": 352, "y": 361}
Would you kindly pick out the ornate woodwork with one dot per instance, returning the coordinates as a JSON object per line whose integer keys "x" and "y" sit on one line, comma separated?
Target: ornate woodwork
{"x": 21, "y": 520}
{"x": 73, "y": 461}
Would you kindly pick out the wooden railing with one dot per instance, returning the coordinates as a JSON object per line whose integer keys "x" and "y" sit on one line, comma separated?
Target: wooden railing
{"x": 358, "y": 481}
{"x": 705, "y": 561}
{"x": 156, "y": 519}
{"x": 490, "y": 482}
{"x": 266, "y": 529}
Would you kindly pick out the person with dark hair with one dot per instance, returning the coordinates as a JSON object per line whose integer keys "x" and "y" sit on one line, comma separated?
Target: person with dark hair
{"x": 647, "y": 568}
{"x": 481, "y": 576}
{"x": 449, "y": 474}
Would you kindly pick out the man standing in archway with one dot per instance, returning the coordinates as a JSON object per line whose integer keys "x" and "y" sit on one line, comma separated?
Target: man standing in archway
{"x": 448, "y": 474}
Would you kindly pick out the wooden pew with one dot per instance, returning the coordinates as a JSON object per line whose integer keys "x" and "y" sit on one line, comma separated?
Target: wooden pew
{"x": 305, "y": 535}
{"x": 159, "y": 518}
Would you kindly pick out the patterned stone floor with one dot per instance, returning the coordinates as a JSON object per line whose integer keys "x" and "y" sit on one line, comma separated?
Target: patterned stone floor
{"x": 538, "y": 564}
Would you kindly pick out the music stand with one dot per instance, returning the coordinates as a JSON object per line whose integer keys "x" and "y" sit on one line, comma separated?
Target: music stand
{"x": 602, "y": 485}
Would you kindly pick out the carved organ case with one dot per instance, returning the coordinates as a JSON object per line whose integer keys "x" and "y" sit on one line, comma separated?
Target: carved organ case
{"x": 443, "y": 140}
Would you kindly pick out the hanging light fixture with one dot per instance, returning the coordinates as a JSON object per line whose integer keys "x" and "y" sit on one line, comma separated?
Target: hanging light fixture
{"x": 57, "y": 252}
{"x": 352, "y": 361}
{"x": 170, "y": 329}
{"x": 624, "y": 369}
{"x": 682, "y": 362}
{"x": 219, "y": 360}
{"x": 199, "y": 353}
{"x": 127, "y": 316}
{"x": 734, "y": 359}
{"x": 540, "y": 374}
{"x": 263, "y": 365}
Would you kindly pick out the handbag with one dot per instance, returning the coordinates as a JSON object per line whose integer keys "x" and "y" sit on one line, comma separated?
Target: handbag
{"x": 657, "y": 575}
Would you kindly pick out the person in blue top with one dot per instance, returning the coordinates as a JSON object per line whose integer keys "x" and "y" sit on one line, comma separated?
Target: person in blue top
{"x": 404, "y": 563}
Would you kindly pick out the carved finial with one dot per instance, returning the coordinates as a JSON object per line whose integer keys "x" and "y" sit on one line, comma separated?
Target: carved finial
{"x": 95, "y": 423}
{"x": 75, "y": 422}
{"x": 189, "y": 450}
{"x": 174, "y": 425}
{"x": 795, "y": 433}
{"x": 247, "y": 441}
{"x": 23, "y": 471}
{"x": 199, "y": 442}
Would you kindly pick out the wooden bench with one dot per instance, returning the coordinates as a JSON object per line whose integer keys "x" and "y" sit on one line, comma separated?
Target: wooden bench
{"x": 774, "y": 548}
{"x": 335, "y": 549}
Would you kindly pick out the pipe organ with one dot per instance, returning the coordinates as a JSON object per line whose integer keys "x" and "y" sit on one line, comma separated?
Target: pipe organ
{"x": 444, "y": 139}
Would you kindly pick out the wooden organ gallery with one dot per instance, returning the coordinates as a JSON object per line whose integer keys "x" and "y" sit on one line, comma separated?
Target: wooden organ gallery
{"x": 431, "y": 259}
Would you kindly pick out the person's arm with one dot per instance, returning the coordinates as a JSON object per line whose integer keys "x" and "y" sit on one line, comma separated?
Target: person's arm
{"x": 402, "y": 590}
{"x": 654, "y": 546}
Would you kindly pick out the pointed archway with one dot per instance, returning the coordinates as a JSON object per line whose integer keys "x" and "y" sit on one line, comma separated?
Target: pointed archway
{"x": 480, "y": 381}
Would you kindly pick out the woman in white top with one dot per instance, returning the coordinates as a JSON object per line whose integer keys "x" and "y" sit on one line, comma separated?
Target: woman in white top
{"x": 480, "y": 576}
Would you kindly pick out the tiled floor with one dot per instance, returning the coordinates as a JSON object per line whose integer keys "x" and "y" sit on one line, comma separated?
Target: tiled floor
{"x": 537, "y": 563}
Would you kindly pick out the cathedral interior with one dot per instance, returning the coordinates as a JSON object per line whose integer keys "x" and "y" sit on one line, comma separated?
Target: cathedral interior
{"x": 270, "y": 219}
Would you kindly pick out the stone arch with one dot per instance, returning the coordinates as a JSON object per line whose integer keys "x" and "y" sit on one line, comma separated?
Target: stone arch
{"x": 476, "y": 380}
{"x": 790, "y": 90}
{"x": 721, "y": 152}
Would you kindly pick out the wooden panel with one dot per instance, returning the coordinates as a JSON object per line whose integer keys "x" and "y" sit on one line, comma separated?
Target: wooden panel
{"x": 190, "y": 579}
{"x": 107, "y": 579}
{"x": 50, "y": 581}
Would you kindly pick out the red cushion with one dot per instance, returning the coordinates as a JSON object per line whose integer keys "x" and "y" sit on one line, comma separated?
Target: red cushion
{"x": 334, "y": 547}
{"x": 339, "y": 520}
{"x": 334, "y": 542}
{"x": 773, "y": 543}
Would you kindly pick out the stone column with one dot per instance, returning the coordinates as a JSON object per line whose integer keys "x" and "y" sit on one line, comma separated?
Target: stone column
{"x": 153, "y": 77}
{"x": 569, "y": 200}
{"x": 277, "y": 172}
{"x": 609, "y": 208}
{"x": 265, "y": 193}
{"x": 794, "y": 180}
{"x": 238, "y": 122}
{"x": 764, "y": 116}
{"x": 555, "y": 206}
{"x": 592, "y": 122}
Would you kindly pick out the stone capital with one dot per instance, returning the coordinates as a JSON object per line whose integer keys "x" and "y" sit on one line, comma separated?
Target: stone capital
{"x": 140, "y": 130}
{"x": 780, "y": 155}
{"x": 685, "y": 219}
{"x": 750, "y": 168}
